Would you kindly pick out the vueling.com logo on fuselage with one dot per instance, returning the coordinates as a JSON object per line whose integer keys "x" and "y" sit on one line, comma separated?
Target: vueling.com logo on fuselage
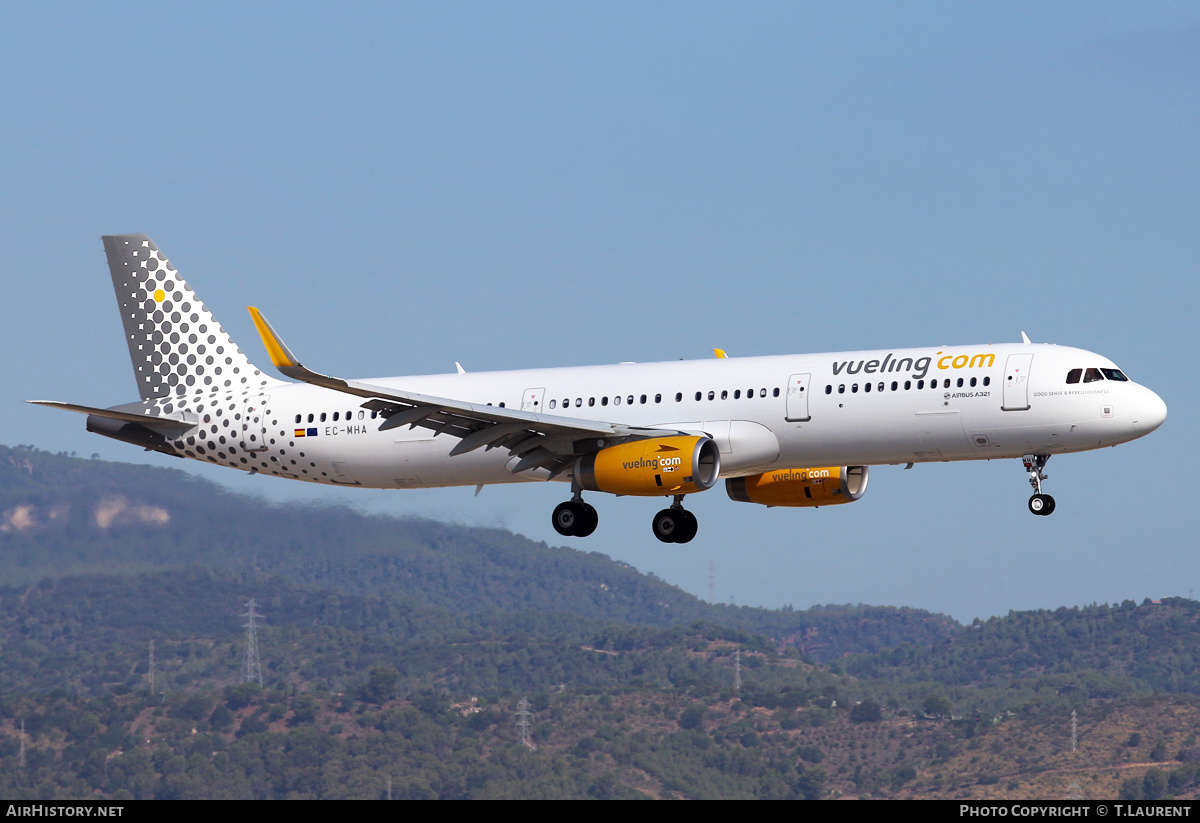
{"x": 918, "y": 368}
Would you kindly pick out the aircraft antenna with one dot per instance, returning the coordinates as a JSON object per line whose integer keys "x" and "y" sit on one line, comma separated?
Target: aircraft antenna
{"x": 253, "y": 664}
{"x": 523, "y": 725}
{"x": 712, "y": 581}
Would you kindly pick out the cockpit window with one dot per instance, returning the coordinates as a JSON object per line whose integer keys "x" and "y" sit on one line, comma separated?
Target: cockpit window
{"x": 1092, "y": 376}
{"x": 1115, "y": 374}
{"x": 1073, "y": 375}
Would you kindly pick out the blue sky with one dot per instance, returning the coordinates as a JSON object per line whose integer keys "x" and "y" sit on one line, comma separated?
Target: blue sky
{"x": 399, "y": 186}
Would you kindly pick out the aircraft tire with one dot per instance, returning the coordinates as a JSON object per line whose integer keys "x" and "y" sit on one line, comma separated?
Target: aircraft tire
{"x": 666, "y": 525}
{"x": 687, "y": 528}
{"x": 1041, "y": 504}
{"x": 587, "y": 524}
{"x": 568, "y": 517}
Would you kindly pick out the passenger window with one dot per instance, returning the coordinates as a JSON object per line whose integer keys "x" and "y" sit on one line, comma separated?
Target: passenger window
{"x": 604, "y": 400}
{"x": 1092, "y": 376}
{"x": 895, "y": 385}
{"x": 642, "y": 399}
{"x": 298, "y": 418}
{"x": 775, "y": 393}
{"x": 712, "y": 395}
{"x": 591, "y": 401}
{"x": 854, "y": 389}
{"x": 907, "y": 385}
{"x": 629, "y": 400}
{"x": 829, "y": 389}
{"x": 867, "y": 387}
{"x": 310, "y": 418}
{"x": 973, "y": 382}
{"x": 987, "y": 381}
{"x": 322, "y": 417}
{"x": 762, "y": 392}
{"x": 920, "y": 384}
{"x": 842, "y": 388}
{"x": 698, "y": 396}
{"x": 1073, "y": 375}
{"x": 737, "y": 394}
{"x": 553, "y": 403}
{"x": 578, "y": 402}
{"x": 335, "y": 417}
{"x": 880, "y": 386}
{"x": 724, "y": 395}
{"x": 960, "y": 382}
{"x": 617, "y": 400}
{"x": 678, "y": 397}
{"x": 374, "y": 414}
{"x": 658, "y": 398}
{"x": 946, "y": 385}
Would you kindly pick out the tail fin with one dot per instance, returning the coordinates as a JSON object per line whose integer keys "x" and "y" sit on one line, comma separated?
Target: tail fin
{"x": 177, "y": 347}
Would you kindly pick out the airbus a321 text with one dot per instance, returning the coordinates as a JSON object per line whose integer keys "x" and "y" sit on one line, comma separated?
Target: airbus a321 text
{"x": 791, "y": 430}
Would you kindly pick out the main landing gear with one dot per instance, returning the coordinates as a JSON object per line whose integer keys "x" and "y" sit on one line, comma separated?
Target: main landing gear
{"x": 676, "y": 524}
{"x": 575, "y": 518}
{"x": 1042, "y": 504}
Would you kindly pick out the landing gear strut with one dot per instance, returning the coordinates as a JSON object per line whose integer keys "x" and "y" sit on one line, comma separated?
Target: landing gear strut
{"x": 575, "y": 518}
{"x": 1042, "y": 504}
{"x": 676, "y": 524}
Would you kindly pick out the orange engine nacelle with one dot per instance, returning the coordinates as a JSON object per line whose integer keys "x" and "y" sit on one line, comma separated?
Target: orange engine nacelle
{"x": 801, "y": 487}
{"x": 652, "y": 468}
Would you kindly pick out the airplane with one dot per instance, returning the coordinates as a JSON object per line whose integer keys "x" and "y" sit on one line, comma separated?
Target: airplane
{"x": 792, "y": 430}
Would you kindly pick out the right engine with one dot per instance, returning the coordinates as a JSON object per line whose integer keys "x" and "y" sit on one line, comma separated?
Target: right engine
{"x": 827, "y": 486}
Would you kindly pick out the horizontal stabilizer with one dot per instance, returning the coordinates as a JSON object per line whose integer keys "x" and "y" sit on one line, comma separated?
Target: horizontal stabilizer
{"x": 170, "y": 425}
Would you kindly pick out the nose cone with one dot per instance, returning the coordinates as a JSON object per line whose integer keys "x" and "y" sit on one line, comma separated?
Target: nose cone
{"x": 1150, "y": 413}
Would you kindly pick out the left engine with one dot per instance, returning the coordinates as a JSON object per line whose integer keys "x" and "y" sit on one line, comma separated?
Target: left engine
{"x": 656, "y": 467}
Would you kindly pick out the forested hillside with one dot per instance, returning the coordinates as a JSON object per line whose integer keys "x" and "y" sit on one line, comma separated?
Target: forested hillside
{"x": 396, "y": 653}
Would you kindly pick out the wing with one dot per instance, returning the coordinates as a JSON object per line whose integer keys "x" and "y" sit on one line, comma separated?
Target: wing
{"x": 540, "y": 440}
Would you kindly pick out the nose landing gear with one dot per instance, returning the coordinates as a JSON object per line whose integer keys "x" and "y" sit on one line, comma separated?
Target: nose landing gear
{"x": 676, "y": 524}
{"x": 1040, "y": 504}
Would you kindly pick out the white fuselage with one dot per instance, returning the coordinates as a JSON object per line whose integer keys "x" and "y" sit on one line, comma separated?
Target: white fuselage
{"x": 849, "y": 408}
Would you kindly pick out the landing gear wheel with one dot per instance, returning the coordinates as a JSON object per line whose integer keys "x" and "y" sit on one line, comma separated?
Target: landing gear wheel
{"x": 666, "y": 525}
{"x": 1041, "y": 504}
{"x": 687, "y": 527}
{"x": 574, "y": 519}
{"x": 588, "y": 523}
{"x": 675, "y": 525}
{"x": 567, "y": 517}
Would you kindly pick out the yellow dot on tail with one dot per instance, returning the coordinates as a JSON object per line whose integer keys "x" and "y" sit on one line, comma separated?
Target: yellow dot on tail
{"x": 159, "y": 295}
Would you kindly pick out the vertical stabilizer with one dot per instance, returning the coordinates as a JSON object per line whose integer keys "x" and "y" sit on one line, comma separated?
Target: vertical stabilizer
{"x": 177, "y": 347}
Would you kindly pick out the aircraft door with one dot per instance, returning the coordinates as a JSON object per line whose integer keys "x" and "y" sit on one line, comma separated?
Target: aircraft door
{"x": 1016, "y": 382}
{"x": 531, "y": 401}
{"x": 253, "y": 429}
{"x": 797, "y": 398}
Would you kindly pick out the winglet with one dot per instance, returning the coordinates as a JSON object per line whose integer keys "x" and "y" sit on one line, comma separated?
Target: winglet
{"x": 1025, "y": 338}
{"x": 280, "y": 356}
{"x": 720, "y": 353}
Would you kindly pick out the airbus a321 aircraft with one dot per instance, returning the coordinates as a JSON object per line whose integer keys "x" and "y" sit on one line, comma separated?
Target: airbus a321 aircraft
{"x": 793, "y": 430}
